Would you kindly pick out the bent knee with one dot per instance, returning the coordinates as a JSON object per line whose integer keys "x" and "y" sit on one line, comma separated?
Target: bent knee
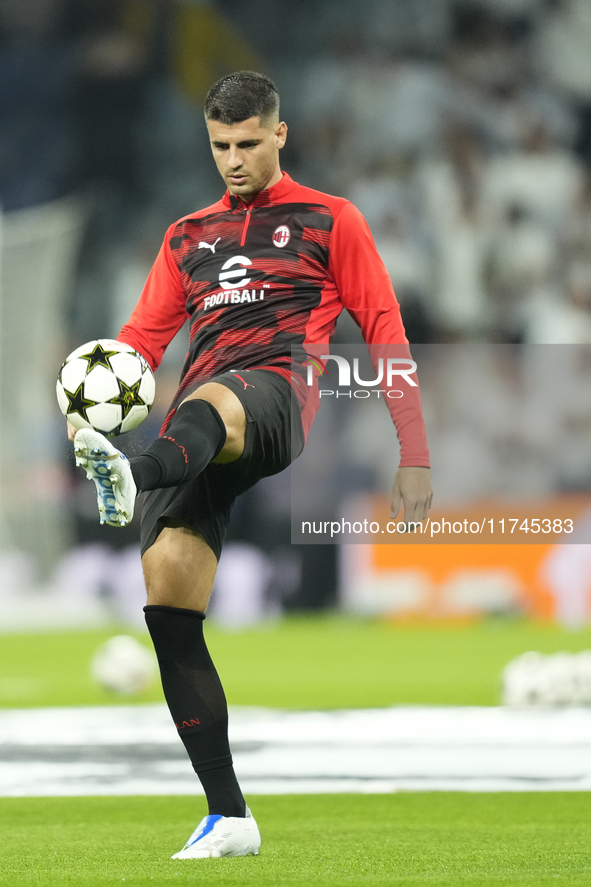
{"x": 172, "y": 592}
{"x": 231, "y": 412}
{"x": 179, "y": 570}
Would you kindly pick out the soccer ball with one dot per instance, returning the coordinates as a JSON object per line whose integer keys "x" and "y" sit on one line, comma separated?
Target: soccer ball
{"x": 582, "y": 677}
{"x": 105, "y": 385}
{"x": 123, "y": 665}
{"x": 558, "y": 679}
{"x": 521, "y": 680}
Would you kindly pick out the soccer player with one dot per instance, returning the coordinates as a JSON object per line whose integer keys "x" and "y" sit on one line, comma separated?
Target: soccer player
{"x": 267, "y": 268}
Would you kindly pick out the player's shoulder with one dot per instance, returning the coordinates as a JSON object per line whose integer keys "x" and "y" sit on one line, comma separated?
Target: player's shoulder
{"x": 304, "y": 194}
{"x": 198, "y": 215}
{"x": 346, "y": 217}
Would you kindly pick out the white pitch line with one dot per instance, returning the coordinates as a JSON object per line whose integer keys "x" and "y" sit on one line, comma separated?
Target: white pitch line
{"x": 134, "y": 750}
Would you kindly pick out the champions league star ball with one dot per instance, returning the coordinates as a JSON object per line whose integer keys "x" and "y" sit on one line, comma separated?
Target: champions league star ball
{"x": 123, "y": 665}
{"x": 105, "y": 385}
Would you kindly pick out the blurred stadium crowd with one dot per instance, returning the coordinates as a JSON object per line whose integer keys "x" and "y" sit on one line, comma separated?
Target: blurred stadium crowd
{"x": 461, "y": 129}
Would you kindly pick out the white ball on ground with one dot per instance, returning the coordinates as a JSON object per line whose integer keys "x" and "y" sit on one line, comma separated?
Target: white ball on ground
{"x": 123, "y": 665}
{"x": 520, "y": 680}
{"x": 556, "y": 684}
{"x": 582, "y": 677}
{"x": 552, "y": 680}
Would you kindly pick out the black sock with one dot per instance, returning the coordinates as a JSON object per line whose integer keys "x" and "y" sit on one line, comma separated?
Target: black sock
{"x": 197, "y": 702}
{"x": 194, "y": 437}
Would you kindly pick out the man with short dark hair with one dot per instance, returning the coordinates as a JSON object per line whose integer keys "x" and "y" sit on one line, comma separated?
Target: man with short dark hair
{"x": 261, "y": 274}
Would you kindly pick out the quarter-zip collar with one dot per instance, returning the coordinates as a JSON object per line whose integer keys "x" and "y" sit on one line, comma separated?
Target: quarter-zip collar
{"x": 274, "y": 194}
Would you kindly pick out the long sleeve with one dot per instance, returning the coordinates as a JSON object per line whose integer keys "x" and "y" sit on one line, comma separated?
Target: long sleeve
{"x": 366, "y": 291}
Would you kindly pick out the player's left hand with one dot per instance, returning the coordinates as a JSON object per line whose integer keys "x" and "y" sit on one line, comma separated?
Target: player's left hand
{"x": 412, "y": 489}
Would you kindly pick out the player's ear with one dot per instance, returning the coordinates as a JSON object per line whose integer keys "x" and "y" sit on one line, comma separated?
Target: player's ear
{"x": 281, "y": 134}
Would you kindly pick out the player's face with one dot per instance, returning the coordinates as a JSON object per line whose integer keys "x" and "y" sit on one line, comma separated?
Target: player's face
{"x": 247, "y": 154}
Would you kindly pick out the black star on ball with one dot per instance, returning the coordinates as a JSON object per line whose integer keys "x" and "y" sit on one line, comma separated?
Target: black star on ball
{"x": 77, "y": 403}
{"x": 98, "y": 357}
{"x": 128, "y": 397}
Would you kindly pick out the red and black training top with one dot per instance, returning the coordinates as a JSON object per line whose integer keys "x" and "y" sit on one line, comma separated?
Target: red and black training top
{"x": 257, "y": 279}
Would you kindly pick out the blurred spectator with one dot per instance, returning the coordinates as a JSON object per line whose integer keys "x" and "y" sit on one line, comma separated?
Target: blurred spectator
{"x": 554, "y": 319}
{"x": 403, "y": 255}
{"x": 563, "y": 56}
{"x": 407, "y": 26}
{"x": 336, "y": 100}
{"x": 39, "y": 139}
{"x": 542, "y": 178}
{"x": 451, "y": 187}
{"x": 387, "y": 204}
{"x": 410, "y": 97}
{"x": 115, "y": 64}
{"x": 523, "y": 262}
{"x": 567, "y": 570}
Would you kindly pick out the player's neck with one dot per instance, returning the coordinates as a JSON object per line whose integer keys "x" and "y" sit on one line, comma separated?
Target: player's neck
{"x": 274, "y": 180}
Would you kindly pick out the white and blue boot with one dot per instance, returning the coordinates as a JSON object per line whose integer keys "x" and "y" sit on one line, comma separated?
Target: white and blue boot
{"x": 218, "y": 835}
{"x": 111, "y": 472}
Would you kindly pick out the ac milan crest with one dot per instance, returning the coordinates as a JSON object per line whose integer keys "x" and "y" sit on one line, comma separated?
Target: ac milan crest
{"x": 281, "y": 236}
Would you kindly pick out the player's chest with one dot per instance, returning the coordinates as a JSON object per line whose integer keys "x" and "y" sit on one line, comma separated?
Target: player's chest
{"x": 263, "y": 244}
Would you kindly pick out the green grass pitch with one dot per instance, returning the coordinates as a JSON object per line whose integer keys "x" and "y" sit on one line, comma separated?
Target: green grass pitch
{"x": 317, "y": 840}
{"x": 329, "y": 662}
{"x": 326, "y": 662}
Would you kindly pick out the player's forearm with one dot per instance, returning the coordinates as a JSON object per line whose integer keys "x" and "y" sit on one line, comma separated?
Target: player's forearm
{"x": 414, "y": 451}
{"x": 399, "y": 386}
{"x": 150, "y": 343}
